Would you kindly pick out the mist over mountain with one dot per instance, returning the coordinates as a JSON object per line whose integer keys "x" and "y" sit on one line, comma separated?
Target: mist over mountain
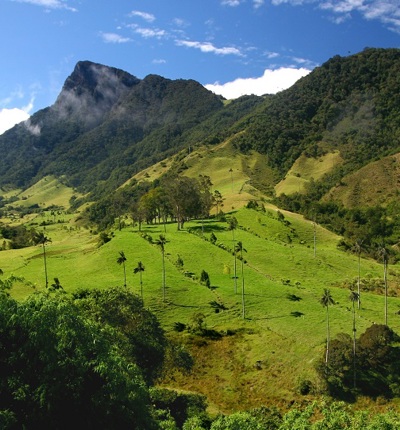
{"x": 106, "y": 125}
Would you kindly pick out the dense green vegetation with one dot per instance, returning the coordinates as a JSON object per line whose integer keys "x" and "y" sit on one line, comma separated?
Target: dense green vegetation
{"x": 374, "y": 226}
{"x": 90, "y": 359}
{"x": 97, "y": 142}
{"x": 215, "y": 280}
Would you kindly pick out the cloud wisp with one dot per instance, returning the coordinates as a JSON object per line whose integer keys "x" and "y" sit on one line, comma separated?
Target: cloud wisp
{"x": 208, "y": 47}
{"x": 386, "y": 11}
{"x": 12, "y": 116}
{"x": 114, "y": 38}
{"x": 49, "y": 4}
{"x": 144, "y": 15}
{"x": 271, "y": 82}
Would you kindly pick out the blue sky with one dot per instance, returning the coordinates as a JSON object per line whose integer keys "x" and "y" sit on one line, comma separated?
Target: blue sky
{"x": 233, "y": 47}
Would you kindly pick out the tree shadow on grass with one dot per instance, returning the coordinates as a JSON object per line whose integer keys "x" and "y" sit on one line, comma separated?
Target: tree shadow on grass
{"x": 188, "y": 306}
{"x": 207, "y": 229}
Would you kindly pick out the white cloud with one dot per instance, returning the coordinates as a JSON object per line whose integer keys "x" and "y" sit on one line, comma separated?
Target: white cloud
{"x": 271, "y": 82}
{"x": 149, "y": 32}
{"x": 11, "y": 117}
{"x": 49, "y": 4}
{"x": 292, "y": 2}
{"x": 208, "y": 47}
{"x": 231, "y": 3}
{"x": 386, "y": 11}
{"x": 114, "y": 38}
{"x": 258, "y": 3}
{"x": 144, "y": 15}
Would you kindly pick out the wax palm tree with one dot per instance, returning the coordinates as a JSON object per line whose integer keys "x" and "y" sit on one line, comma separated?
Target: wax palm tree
{"x": 161, "y": 243}
{"x": 239, "y": 249}
{"x": 121, "y": 261}
{"x": 354, "y": 298}
{"x": 383, "y": 253}
{"x": 232, "y": 225}
{"x": 326, "y": 300}
{"x": 140, "y": 269}
{"x": 357, "y": 250}
{"x": 39, "y": 238}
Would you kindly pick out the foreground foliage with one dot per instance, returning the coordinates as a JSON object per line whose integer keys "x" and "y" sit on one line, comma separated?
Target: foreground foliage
{"x": 60, "y": 369}
{"x": 372, "y": 369}
{"x": 90, "y": 360}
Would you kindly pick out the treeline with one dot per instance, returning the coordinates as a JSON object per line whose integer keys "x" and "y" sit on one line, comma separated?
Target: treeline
{"x": 373, "y": 227}
{"x": 362, "y": 88}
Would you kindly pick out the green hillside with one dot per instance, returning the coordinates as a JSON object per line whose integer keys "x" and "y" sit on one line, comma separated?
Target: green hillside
{"x": 308, "y": 174}
{"x": 283, "y": 283}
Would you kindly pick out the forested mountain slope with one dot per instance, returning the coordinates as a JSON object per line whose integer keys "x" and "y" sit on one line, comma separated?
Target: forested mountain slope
{"x": 107, "y": 125}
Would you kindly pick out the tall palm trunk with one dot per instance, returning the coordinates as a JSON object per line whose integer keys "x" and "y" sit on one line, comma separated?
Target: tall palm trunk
{"x": 328, "y": 336}
{"x": 386, "y": 289}
{"x": 45, "y": 265}
{"x": 243, "y": 301}
{"x": 163, "y": 274}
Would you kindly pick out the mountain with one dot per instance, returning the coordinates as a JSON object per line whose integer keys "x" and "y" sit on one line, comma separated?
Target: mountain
{"x": 107, "y": 125}
{"x": 104, "y": 119}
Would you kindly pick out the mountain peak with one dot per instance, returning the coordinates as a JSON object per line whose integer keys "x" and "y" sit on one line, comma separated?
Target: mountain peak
{"x": 91, "y": 91}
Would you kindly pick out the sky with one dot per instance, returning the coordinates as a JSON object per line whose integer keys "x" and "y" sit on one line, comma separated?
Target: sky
{"x": 232, "y": 47}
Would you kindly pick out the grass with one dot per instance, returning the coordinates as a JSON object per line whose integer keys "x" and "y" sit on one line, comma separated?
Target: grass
{"x": 280, "y": 339}
{"x": 304, "y": 169}
{"x": 48, "y": 191}
{"x": 376, "y": 183}
{"x": 260, "y": 359}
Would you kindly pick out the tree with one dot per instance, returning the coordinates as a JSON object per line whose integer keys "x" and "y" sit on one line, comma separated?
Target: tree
{"x": 205, "y": 279}
{"x": 137, "y": 330}
{"x": 121, "y": 261}
{"x": 61, "y": 369}
{"x": 185, "y": 198}
{"x": 161, "y": 241}
{"x": 383, "y": 253}
{"x": 140, "y": 269}
{"x": 326, "y": 300}
{"x": 232, "y": 226}
{"x": 218, "y": 200}
{"x": 354, "y": 298}
{"x": 239, "y": 248}
{"x": 39, "y": 238}
{"x": 357, "y": 250}
{"x": 205, "y": 185}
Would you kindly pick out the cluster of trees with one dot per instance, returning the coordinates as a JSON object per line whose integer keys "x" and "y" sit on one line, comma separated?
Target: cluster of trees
{"x": 20, "y": 236}
{"x": 86, "y": 360}
{"x": 369, "y": 365}
{"x": 177, "y": 198}
{"x": 373, "y": 226}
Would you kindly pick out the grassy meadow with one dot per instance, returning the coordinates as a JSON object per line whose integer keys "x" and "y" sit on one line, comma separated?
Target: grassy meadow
{"x": 259, "y": 359}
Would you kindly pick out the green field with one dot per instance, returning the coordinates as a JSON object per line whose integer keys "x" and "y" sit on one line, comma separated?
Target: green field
{"x": 282, "y": 335}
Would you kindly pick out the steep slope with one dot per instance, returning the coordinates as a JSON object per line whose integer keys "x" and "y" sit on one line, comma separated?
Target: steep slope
{"x": 348, "y": 104}
{"x": 376, "y": 183}
{"x": 96, "y": 123}
{"x": 107, "y": 125}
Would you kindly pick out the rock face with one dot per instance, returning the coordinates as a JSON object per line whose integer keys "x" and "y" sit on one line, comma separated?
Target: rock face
{"x": 91, "y": 91}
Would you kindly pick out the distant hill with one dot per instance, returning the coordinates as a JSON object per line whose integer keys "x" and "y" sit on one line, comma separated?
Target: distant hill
{"x": 107, "y": 125}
